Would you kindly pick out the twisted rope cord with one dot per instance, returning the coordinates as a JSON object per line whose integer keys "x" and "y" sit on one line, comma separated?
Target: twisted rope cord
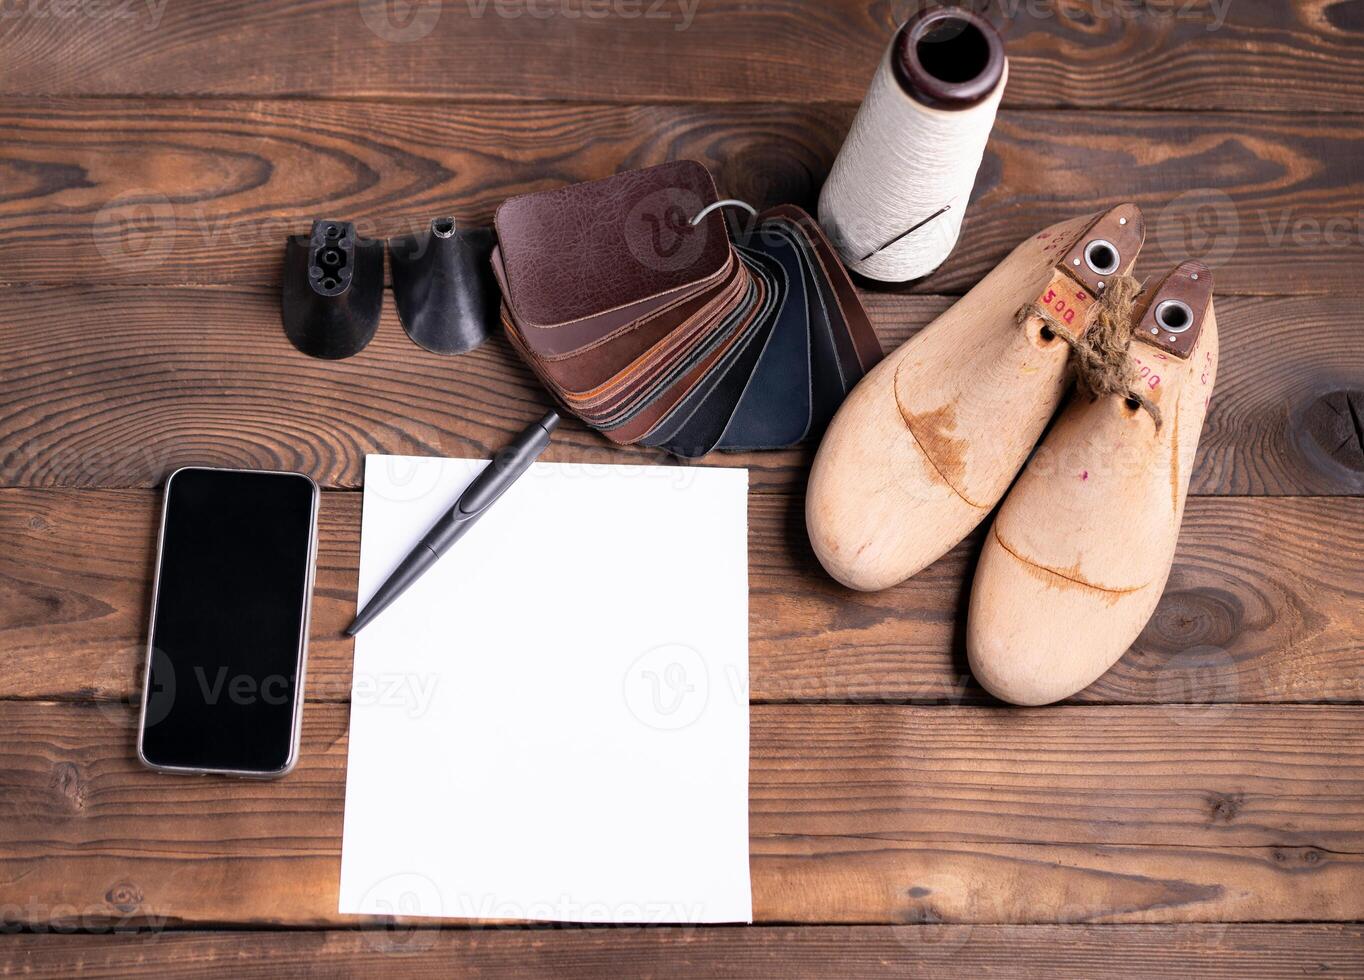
{"x": 1099, "y": 356}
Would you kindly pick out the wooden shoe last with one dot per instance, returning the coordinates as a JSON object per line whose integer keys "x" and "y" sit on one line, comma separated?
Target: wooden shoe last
{"x": 928, "y": 442}
{"x": 1079, "y": 553}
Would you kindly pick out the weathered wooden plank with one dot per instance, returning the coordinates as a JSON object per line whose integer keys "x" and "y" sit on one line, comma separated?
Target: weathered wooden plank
{"x": 1265, "y": 604}
{"x": 1251, "y": 54}
{"x": 1052, "y": 952}
{"x": 106, "y": 386}
{"x": 859, "y": 881}
{"x": 205, "y": 191}
{"x": 873, "y": 814}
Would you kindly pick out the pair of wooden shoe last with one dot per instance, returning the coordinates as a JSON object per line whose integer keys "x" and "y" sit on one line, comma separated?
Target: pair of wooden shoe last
{"x": 927, "y": 445}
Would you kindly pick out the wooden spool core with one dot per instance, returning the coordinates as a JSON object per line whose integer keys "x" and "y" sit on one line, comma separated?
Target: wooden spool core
{"x": 948, "y": 58}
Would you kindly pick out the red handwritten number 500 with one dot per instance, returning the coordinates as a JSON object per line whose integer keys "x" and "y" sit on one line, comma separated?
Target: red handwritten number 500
{"x": 1057, "y": 303}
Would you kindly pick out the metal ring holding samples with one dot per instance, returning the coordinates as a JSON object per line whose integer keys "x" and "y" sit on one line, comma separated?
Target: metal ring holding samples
{"x": 727, "y": 202}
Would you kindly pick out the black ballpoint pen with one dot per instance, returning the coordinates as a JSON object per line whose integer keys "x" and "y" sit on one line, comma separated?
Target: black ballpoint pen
{"x": 490, "y": 484}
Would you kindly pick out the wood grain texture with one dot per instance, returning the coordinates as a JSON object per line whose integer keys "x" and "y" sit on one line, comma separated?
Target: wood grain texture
{"x": 154, "y": 155}
{"x": 1059, "y": 952}
{"x": 1266, "y": 603}
{"x": 205, "y": 191}
{"x": 115, "y": 387}
{"x": 1204, "y": 54}
{"x": 858, "y": 814}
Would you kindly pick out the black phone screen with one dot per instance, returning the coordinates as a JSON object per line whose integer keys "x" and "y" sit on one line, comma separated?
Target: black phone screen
{"x": 227, "y": 632}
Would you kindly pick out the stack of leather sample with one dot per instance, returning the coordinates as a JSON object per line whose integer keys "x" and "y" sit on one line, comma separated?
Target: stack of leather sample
{"x": 630, "y": 301}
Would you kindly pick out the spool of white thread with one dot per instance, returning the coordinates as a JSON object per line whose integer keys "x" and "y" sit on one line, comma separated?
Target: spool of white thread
{"x": 912, "y": 154}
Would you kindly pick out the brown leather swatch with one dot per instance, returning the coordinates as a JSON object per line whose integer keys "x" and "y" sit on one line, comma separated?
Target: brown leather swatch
{"x": 576, "y": 252}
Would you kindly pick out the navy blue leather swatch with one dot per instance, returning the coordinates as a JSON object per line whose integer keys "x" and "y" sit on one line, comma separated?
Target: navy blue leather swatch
{"x": 696, "y": 426}
{"x": 774, "y": 410}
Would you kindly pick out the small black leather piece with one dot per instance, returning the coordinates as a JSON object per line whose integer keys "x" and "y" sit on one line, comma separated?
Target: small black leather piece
{"x": 333, "y": 290}
{"x": 774, "y": 410}
{"x": 701, "y": 418}
{"x": 443, "y": 286}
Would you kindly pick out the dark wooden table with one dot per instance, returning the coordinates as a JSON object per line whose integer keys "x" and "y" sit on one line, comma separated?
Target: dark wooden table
{"x": 1200, "y": 808}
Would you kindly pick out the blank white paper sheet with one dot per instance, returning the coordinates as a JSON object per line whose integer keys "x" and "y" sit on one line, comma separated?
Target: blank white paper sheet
{"x": 553, "y": 722}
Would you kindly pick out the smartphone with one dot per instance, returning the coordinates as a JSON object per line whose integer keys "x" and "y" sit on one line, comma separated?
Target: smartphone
{"x": 227, "y": 648}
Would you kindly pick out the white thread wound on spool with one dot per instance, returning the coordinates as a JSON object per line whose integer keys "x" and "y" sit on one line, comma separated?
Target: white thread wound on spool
{"x": 903, "y": 161}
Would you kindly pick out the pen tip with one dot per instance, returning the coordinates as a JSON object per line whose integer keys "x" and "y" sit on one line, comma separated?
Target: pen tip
{"x": 353, "y": 628}
{"x": 550, "y": 422}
